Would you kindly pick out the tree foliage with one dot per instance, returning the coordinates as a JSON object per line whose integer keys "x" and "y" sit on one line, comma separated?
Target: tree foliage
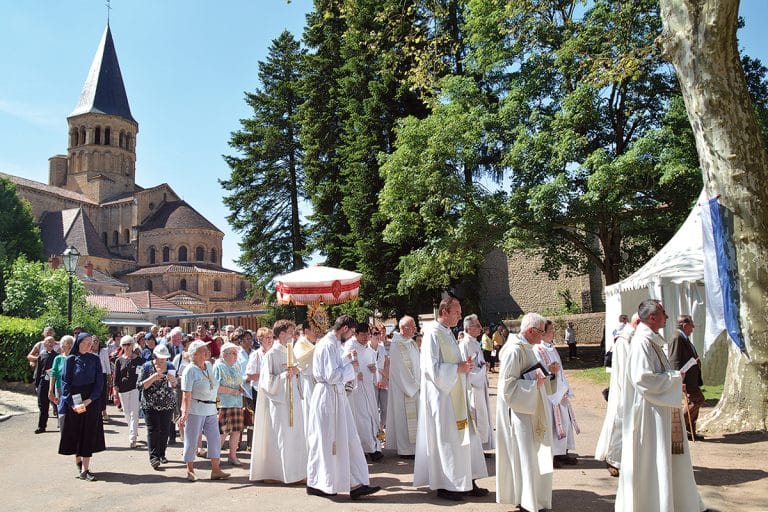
{"x": 267, "y": 182}
{"x": 19, "y": 233}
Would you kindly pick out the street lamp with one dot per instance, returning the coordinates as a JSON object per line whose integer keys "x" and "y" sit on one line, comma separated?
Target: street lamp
{"x": 70, "y": 258}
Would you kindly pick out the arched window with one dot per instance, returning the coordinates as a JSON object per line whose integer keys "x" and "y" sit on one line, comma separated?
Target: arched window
{"x": 149, "y": 285}
{"x": 166, "y": 254}
{"x": 82, "y": 135}
{"x": 151, "y": 255}
{"x": 199, "y": 254}
{"x": 107, "y": 134}
{"x": 213, "y": 256}
{"x": 182, "y": 253}
{"x": 183, "y": 284}
{"x": 217, "y": 285}
{"x": 115, "y": 238}
{"x": 105, "y": 239}
{"x": 97, "y": 135}
{"x": 127, "y": 236}
{"x": 121, "y": 139}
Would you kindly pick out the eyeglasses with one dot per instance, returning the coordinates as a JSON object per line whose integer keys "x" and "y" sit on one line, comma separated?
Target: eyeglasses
{"x": 538, "y": 330}
{"x": 375, "y": 333}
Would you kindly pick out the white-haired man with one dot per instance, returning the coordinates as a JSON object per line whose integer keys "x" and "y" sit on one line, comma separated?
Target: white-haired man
{"x": 479, "y": 400}
{"x": 404, "y": 385}
{"x": 449, "y": 454}
{"x": 656, "y": 471}
{"x": 524, "y": 435}
{"x": 609, "y": 443}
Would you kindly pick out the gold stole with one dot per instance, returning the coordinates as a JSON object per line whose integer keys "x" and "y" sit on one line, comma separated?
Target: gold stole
{"x": 540, "y": 415}
{"x": 677, "y": 420}
{"x": 411, "y": 413}
{"x": 448, "y": 351}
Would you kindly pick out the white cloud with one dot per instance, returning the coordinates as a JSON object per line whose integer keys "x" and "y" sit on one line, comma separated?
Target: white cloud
{"x": 32, "y": 114}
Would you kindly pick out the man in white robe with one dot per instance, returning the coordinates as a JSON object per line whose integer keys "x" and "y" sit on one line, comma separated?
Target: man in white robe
{"x": 304, "y": 350}
{"x": 362, "y": 397}
{"x": 656, "y": 471}
{"x": 523, "y": 424}
{"x": 609, "y": 443}
{"x": 336, "y": 462}
{"x": 449, "y": 454}
{"x": 279, "y": 452}
{"x": 479, "y": 399}
{"x": 564, "y": 426}
{"x": 404, "y": 386}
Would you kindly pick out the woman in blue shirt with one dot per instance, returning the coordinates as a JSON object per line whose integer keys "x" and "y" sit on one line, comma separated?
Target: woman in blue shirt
{"x": 82, "y": 430}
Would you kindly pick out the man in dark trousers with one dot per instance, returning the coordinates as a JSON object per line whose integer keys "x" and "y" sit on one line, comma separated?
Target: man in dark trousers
{"x": 681, "y": 350}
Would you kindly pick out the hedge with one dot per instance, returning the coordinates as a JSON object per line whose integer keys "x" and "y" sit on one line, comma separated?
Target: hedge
{"x": 17, "y": 337}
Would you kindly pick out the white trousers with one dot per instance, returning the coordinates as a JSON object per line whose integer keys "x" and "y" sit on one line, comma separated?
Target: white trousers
{"x": 130, "y": 403}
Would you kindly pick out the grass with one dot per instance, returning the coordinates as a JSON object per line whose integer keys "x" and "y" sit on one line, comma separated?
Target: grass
{"x": 596, "y": 375}
{"x": 712, "y": 394}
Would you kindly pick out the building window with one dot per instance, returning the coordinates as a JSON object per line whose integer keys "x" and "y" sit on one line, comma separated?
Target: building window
{"x": 149, "y": 285}
{"x": 183, "y": 284}
{"x": 127, "y": 236}
{"x": 213, "y": 256}
{"x": 166, "y": 254}
{"x": 151, "y": 255}
{"x": 182, "y": 253}
{"x": 107, "y": 137}
{"x": 82, "y": 135}
{"x": 199, "y": 254}
{"x": 217, "y": 285}
{"x": 115, "y": 238}
{"x": 105, "y": 239}
{"x": 97, "y": 135}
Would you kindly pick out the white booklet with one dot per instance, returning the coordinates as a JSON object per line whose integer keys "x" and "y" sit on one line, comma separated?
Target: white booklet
{"x": 690, "y": 364}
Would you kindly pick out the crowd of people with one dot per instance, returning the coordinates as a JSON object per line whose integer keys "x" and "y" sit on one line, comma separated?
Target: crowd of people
{"x": 316, "y": 405}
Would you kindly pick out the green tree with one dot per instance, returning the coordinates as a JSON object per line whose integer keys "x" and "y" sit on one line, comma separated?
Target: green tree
{"x": 266, "y": 183}
{"x": 19, "y": 233}
{"x": 34, "y": 289}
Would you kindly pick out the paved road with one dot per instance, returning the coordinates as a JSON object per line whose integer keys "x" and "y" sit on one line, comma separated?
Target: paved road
{"x": 34, "y": 477}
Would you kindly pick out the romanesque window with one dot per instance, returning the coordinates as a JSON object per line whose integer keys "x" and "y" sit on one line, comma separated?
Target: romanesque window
{"x": 166, "y": 254}
{"x": 82, "y": 135}
{"x": 182, "y": 253}
{"x": 105, "y": 239}
{"x": 127, "y": 236}
{"x": 151, "y": 255}
{"x": 107, "y": 133}
{"x": 149, "y": 285}
{"x": 213, "y": 256}
{"x": 121, "y": 139}
{"x": 199, "y": 253}
{"x": 97, "y": 135}
{"x": 217, "y": 285}
{"x": 183, "y": 284}
{"x": 115, "y": 238}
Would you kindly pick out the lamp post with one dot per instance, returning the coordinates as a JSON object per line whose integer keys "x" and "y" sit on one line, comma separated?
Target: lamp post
{"x": 70, "y": 258}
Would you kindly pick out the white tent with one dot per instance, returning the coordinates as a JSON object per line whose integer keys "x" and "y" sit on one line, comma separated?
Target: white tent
{"x": 675, "y": 276}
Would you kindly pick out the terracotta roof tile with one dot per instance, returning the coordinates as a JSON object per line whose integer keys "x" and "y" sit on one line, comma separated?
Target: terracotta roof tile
{"x": 148, "y": 300}
{"x": 176, "y": 268}
{"x": 60, "y": 192}
{"x": 113, "y": 303}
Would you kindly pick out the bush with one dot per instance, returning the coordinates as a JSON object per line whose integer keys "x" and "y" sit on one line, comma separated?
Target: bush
{"x": 17, "y": 336}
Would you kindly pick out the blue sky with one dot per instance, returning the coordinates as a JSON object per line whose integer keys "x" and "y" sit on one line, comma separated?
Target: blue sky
{"x": 186, "y": 66}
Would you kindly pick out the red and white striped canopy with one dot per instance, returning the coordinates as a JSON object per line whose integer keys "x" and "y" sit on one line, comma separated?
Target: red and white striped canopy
{"x": 316, "y": 284}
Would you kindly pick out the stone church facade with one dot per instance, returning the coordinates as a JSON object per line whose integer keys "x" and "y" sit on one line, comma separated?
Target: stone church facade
{"x": 147, "y": 238}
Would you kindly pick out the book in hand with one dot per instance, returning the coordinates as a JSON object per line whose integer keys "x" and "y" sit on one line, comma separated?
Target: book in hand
{"x": 690, "y": 364}
{"x": 531, "y": 373}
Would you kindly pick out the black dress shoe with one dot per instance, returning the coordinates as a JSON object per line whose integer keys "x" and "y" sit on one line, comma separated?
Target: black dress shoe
{"x": 477, "y": 492}
{"x": 376, "y": 456}
{"x": 317, "y": 492}
{"x": 39, "y": 430}
{"x": 363, "y": 490}
{"x": 450, "y": 495}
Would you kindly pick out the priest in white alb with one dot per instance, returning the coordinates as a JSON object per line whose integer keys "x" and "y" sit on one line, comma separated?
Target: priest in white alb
{"x": 564, "y": 426}
{"x": 279, "y": 452}
{"x": 523, "y": 422}
{"x": 336, "y": 462}
{"x": 656, "y": 471}
{"x": 608, "y": 447}
{"x": 479, "y": 399}
{"x": 449, "y": 454}
{"x": 404, "y": 386}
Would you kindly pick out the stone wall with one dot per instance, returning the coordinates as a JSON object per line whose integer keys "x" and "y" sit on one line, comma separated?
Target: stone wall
{"x": 588, "y": 327}
{"x": 512, "y": 285}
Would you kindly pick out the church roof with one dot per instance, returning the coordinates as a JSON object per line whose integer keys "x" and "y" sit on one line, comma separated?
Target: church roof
{"x": 104, "y": 91}
{"x": 177, "y": 268}
{"x": 50, "y": 189}
{"x": 177, "y": 215}
{"x": 61, "y": 229}
{"x": 148, "y": 300}
{"x": 113, "y": 303}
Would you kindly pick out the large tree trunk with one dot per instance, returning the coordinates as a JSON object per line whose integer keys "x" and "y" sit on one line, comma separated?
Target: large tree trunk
{"x": 699, "y": 38}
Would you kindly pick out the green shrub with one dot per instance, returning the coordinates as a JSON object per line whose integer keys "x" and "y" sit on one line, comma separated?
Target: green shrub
{"x": 17, "y": 336}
